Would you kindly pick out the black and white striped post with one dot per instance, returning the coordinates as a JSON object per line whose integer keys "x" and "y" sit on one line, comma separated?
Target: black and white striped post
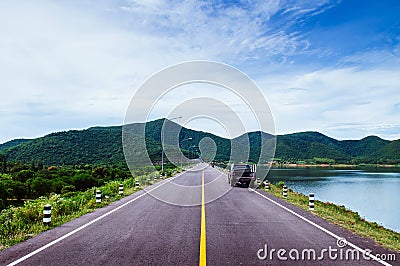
{"x": 47, "y": 214}
{"x": 311, "y": 201}
{"x": 121, "y": 189}
{"x": 148, "y": 180}
{"x": 266, "y": 183}
{"x": 98, "y": 196}
{"x": 284, "y": 191}
{"x": 155, "y": 177}
{"x": 254, "y": 169}
{"x": 137, "y": 183}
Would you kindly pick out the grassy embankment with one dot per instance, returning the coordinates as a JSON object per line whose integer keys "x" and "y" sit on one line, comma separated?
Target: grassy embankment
{"x": 18, "y": 224}
{"x": 345, "y": 218}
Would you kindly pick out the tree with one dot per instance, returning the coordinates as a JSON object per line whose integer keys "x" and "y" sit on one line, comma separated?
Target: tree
{"x": 19, "y": 190}
{"x": 41, "y": 186}
{"x": 101, "y": 172}
{"x": 4, "y": 190}
{"x": 57, "y": 185}
{"x": 10, "y": 189}
{"x": 3, "y": 196}
{"x": 24, "y": 175}
{"x": 3, "y": 159}
{"x": 68, "y": 189}
{"x": 324, "y": 160}
{"x": 83, "y": 181}
{"x": 40, "y": 165}
{"x": 33, "y": 167}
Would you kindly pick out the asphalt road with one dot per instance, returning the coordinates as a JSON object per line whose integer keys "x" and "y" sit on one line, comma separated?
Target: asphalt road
{"x": 191, "y": 219}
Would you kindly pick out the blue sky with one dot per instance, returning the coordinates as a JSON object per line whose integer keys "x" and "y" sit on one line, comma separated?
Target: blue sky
{"x": 328, "y": 66}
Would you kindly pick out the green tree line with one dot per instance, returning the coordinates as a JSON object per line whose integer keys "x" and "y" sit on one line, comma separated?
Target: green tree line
{"x": 28, "y": 181}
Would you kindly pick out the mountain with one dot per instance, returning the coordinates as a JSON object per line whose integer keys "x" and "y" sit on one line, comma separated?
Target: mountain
{"x": 93, "y": 145}
{"x": 390, "y": 153}
{"x": 365, "y": 147}
{"x": 308, "y": 145}
{"x": 12, "y": 143}
{"x": 102, "y": 145}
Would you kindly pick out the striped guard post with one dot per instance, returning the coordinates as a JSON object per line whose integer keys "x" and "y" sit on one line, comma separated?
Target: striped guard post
{"x": 98, "y": 196}
{"x": 155, "y": 177}
{"x": 284, "y": 191}
{"x": 47, "y": 214}
{"x": 254, "y": 170}
{"x": 137, "y": 183}
{"x": 266, "y": 183}
{"x": 121, "y": 189}
{"x": 148, "y": 180}
{"x": 311, "y": 201}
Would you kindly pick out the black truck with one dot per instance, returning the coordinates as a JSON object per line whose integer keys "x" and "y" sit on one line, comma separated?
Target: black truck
{"x": 241, "y": 174}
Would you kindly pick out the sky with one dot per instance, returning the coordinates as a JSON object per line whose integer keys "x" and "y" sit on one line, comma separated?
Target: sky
{"x": 323, "y": 65}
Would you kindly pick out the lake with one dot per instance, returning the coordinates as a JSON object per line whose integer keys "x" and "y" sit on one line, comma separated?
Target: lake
{"x": 373, "y": 193}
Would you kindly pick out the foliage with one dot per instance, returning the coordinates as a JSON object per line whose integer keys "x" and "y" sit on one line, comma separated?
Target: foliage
{"x": 77, "y": 197}
{"x": 24, "y": 183}
{"x": 12, "y": 143}
{"x": 324, "y": 161}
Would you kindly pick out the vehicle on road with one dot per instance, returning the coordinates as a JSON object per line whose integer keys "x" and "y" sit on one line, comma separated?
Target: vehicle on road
{"x": 241, "y": 174}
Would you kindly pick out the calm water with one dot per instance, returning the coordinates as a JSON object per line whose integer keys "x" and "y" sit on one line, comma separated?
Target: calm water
{"x": 374, "y": 194}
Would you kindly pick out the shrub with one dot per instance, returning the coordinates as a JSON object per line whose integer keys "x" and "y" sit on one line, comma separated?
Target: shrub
{"x": 68, "y": 189}
{"x": 280, "y": 184}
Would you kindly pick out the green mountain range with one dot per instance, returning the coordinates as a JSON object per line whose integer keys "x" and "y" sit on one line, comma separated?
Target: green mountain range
{"x": 102, "y": 145}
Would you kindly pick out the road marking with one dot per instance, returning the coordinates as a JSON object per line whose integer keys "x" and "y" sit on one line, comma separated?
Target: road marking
{"x": 365, "y": 252}
{"x": 203, "y": 252}
{"x": 87, "y": 224}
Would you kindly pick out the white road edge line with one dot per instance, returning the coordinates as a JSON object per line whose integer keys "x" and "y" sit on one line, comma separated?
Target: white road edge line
{"x": 89, "y": 223}
{"x": 325, "y": 230}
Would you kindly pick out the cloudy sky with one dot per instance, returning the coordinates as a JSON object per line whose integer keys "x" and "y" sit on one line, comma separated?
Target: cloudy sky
{"x": 324, "y": 65}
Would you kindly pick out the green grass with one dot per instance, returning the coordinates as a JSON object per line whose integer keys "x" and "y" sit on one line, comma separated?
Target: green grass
{"x": 18, "y": 224}
{"x": 343, "y": 217}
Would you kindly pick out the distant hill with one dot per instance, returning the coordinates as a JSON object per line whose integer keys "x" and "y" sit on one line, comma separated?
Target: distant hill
{"x": 12, "y": 143}
{"x": 308, "y": 145}
{"x": 102, "y": 145}
{"x": 390, "y": 152}
{"x": 93, "y": 145}
{"x": 367, "y": 147}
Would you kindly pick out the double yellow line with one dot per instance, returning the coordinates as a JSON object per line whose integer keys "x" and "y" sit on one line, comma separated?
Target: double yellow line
{"x": 203, "y": 254}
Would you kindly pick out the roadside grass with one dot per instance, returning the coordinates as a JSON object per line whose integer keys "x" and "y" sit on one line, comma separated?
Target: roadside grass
{"x": 18, "y": 224}
{"x": 343, "y": 217}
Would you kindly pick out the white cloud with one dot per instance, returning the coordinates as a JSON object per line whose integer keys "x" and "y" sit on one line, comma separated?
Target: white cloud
{"x": 73, "y": 65}
{"x": 344, "y": 103}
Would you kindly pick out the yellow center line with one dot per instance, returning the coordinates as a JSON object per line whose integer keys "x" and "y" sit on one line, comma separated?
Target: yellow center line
{"x": 203, "y": 260}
